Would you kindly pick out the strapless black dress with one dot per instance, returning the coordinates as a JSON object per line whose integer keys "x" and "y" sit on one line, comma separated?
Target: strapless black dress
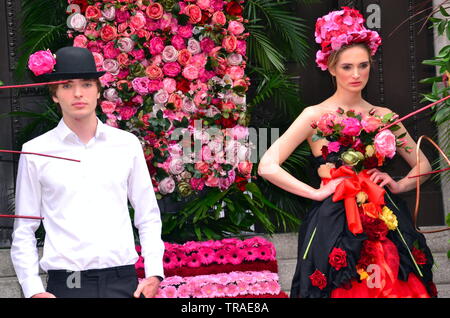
{"x": 334, "y": 262}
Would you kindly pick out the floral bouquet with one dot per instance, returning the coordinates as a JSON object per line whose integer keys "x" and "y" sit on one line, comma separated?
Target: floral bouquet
{"x": 356, "y": 141}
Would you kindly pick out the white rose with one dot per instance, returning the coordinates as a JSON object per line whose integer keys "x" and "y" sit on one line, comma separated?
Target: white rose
{"x": 125, "y": 44}
{"x": 111, "y": 66}
{"x": 111, "y": 94}
{"x": 193, "y": 46}
{"x": 167, "y": 185}
{"x": 176, "y": 166}
{"x": 169, "y": 54}
{"x": 161, "y": 97}
{"x": 109, "y": 13}
{"x": 77, "y": 21}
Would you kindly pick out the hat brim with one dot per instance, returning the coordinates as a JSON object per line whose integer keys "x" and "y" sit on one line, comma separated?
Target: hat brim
{"x": 66, "y": 76}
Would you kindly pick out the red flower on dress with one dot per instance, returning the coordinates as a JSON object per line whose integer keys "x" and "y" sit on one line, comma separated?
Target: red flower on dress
{"x": 337, "y": 258}
{"x": 318, "y": 279}
{"x": 419, "y": 256}
{"x": 346, "y": 141}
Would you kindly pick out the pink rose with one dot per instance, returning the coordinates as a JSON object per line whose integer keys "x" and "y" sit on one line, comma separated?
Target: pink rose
{"x": 94, "y": 46}
{"x": 235, "y": 72}
{"x": 138, "y": 54}
{"x": 326, "y": 123}
{"x": 224, "y": 183}
{"x": 202, "y": 167}
{"x": 161, "y": 97}
{"x": 193, "y": 46}
{"x": 156, "y": 45}
{"x": 234, "y": 59}
{"x": 110, "y": 52}
{"x": 108, "y": 33}
{"x": 109, "y": 13}
{"x": 176, "y": 166}
{"x": 219, "y": 18}
{"x": 194, "y": 13}
{"x": 126, "y": 112}
{"x": 207, "y": 44}
{"x": 334, "y": 146}
{"x": 235, "y": 27}
{"x": 138, "y": 21}
{"x": 245, "y": 168}
{"x": 212, "y": 181}
{"x": 188, "y": 106}
{"x": 122, "y": 16}
{"x": 41, "y": 62}
{"x": 106, "y": 79}
{"x": 166, "y": 186}
{"x": 108, "y": 107}
{"x": 370, "y": 124}
{"x": 169, "y": 84}
{"x": 140, "y": 85}
{"x": 190, "y": 72}
{"x": 154, "y": 86}
{"x": 241, "y": 47}
{"x": 197, "y": 184}
{"x": 352, "y": 126}
{"x": 229, "y": 42}
{"x": 77, "y": 22}
{"x": 155, "y": 11}
{"x": 185, "y": 31}
{"x": 125, "y": 44}
{"x": 239, "y": 132}
{"x": 111, "y": 66}
{"x": 169, "y": 54}
{"x": 172, "y": 69}
{"x": 80, "y": 41}
{"x": 385, "y": 143}
{"x": 203, "y": 4}
{"x": 178, "y": 42}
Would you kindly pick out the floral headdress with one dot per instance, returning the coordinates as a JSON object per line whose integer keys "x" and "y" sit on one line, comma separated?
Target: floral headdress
{"x": 339, "y": 28}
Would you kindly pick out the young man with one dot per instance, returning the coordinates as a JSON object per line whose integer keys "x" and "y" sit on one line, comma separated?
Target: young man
{"x": 89, "y": 248}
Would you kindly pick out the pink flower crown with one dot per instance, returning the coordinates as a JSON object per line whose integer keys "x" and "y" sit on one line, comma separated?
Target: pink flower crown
{"x": 339, "y": 28}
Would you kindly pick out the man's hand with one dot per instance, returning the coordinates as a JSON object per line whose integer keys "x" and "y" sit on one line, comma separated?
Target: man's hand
{"x": 43, "y": 295}
{"x": 148, "y": 286}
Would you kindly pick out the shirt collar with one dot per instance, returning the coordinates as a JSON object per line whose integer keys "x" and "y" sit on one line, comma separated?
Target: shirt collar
{"x": 64, "y": 132}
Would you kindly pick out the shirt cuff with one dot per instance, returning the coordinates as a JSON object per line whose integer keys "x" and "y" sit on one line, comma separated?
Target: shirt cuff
{"x": 32, "y": 286}
{"x": 154, "y": 270}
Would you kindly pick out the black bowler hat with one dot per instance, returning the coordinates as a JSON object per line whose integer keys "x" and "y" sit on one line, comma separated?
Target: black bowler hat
{"x": 73, "y": 63}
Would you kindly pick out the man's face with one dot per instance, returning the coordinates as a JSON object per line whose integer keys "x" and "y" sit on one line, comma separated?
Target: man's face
{"x": 77, "y": 98}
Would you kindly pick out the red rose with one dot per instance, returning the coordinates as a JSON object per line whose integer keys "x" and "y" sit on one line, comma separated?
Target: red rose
{"x": 318, "y": 279}
{"x": 337, "y": 258}
{"x": 419, "y": 256}
{"x": 234, "y": 8}
{"x": 371, "y": 162}
{"x": 346, "y": 141}
{"x": 324, "y": 150}
{"x": 375, "y": 229}
{"x": 183, "y": 85}
{"x": 241, "y": 182}
{"x": 82, "y": 3}
{"x": 108, "y": 33}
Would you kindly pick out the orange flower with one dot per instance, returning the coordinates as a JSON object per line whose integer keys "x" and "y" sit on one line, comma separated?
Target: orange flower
{"x": 370, "y": 209}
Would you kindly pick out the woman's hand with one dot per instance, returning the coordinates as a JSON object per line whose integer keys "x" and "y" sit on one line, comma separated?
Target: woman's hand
{"x": 383, "y": 179}
{"x": 326, "y": 190}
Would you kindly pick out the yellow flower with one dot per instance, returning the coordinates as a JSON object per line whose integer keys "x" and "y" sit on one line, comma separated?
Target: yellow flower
{"x": 370, "y": 150}
{"x": 361, "y": 197}
{"x": 389, "y": 218}
{"x": 362, "y": 274}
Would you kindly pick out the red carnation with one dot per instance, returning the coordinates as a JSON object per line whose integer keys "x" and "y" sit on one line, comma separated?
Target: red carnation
{"x": 419, "y": 256}
{"x": 234, "y": 8}
{"x": 337, "y": 258}
{"x": 318, "y": 279}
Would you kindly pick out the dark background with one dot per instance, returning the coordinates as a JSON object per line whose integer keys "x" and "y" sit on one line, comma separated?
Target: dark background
{"x": 393, "y": 84}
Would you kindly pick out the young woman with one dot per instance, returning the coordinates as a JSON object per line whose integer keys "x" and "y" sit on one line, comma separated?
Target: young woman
{"x": 333, "y": 260}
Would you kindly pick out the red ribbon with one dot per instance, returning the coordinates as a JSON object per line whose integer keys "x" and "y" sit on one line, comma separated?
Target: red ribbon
{"x": 349, "y": 188}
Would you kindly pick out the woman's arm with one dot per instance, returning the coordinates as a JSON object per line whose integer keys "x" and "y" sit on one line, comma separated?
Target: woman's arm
{"x": 270, "y": 164}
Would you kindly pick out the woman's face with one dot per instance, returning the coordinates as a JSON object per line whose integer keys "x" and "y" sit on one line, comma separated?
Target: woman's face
{"x": 352, "y": 69}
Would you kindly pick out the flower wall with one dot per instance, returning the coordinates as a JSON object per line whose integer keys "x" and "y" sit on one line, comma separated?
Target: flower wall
{"x": 175, "y": 76}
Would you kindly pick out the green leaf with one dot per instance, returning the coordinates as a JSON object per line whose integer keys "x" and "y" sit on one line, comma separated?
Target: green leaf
{"x": 443, "y": 11}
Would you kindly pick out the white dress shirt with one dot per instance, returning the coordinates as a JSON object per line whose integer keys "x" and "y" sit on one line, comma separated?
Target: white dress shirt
{"x": 84, "y": 205}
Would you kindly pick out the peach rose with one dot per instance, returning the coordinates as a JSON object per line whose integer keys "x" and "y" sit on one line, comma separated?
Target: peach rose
{"x": 184, "y": 57}
{"x": 194, "y": 13}
{"x": 92, "y": 13}
{"x": 155, "y": 11}
{"x": 190, "y": 72}
{"x": 229, "y": 43}
{"x": 202, "y": 167}
{"x": 370, "y": 124}
{"x": 153, "y": 72}
{"x": 108, "y": 33}
{"x": 219, "y": 18}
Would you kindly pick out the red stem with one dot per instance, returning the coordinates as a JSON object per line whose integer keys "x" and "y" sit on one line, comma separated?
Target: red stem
{"x": 37, "y": 154}
{"x": 21, "y": 217}
{"x": 33, "y": 84}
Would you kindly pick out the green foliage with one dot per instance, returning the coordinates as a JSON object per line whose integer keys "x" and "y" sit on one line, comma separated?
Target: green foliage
{"x": 440, "y": 84}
